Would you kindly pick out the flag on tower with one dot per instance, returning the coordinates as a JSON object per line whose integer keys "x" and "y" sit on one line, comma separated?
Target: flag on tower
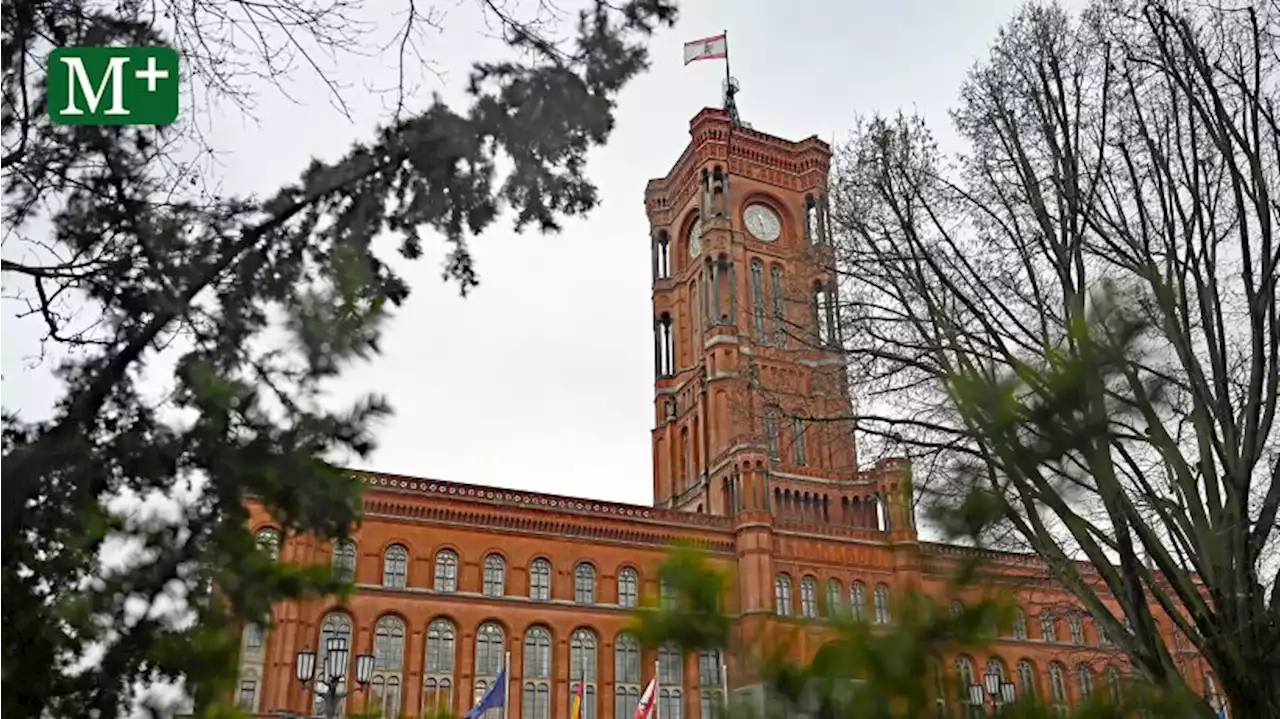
{"x": 648, "y": 700}
{"x": 708, "y": 48}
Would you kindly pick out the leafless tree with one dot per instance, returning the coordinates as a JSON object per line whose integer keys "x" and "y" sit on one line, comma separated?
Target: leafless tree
{"x": 1077, "y": 318}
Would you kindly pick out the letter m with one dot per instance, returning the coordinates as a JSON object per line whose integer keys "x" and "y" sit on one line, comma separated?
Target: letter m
{"x": 78, "y": 82}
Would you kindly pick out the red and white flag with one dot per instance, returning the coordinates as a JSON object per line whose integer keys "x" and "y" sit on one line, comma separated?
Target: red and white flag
{"x": 644, "y": 710}
{"x": 708, "y": 48}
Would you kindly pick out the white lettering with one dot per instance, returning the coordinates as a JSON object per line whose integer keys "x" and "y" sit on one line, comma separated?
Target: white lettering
{"x": 78, "y": 79}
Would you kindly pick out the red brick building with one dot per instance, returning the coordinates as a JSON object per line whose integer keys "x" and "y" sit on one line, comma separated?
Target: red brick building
{"x": 753, "y": 459}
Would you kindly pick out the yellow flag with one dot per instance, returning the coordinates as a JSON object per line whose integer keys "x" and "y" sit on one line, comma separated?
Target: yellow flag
{"x": 576, "y": 712}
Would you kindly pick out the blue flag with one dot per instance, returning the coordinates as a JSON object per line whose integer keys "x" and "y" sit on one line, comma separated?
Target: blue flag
{"x": 495, "y": 698}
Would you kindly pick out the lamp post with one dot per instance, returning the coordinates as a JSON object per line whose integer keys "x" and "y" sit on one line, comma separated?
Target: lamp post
{"x": 993, "y": 685}
{"x": 332, "y": 673}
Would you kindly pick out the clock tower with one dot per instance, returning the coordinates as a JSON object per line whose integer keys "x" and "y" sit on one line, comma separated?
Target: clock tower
{"x": 751, "y": 402}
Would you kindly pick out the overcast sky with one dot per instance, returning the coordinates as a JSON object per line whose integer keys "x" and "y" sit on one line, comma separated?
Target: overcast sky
{"x": 542, "y": 379}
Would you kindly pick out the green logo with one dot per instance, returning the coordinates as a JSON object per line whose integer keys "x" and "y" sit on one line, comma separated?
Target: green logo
{"x": 113, "y": 85}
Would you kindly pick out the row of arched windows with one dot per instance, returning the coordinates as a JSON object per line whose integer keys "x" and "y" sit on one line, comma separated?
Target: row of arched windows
{"x": 395, "y": 575}
{"x": 535, "y": 674}
{"x": 811, "y": 608}
{"x": 1057, "y": 690}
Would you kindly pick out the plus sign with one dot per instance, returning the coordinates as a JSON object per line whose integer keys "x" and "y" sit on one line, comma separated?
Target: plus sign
{"x": 151, "y": 74}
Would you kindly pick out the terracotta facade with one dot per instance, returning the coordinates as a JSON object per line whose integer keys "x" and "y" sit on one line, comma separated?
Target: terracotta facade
{"x": 754, "y": 461}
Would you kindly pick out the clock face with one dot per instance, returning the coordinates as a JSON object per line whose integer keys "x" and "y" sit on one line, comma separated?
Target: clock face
{"x": 762, "y": 222}
{"x": 695, "y": 239}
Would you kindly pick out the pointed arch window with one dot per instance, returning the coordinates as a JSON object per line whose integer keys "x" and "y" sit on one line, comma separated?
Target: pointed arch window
{"x": 268, "y": 539}
{"x": 446, "y": 571}
{"x": 582, "y": 669}
{"x": 395, "y": 566}
{"x": 438, "y": 679}
{"x": 540, "y": 580}
{"x": 808, "y": 598}
{"x": 344, "y": 560}
{"x": 882, "y": 604}
{"x": 782, "y": 594}
{"x": 670, "y": 682}
{"x": 537, "y": 673}
{"x": 1077, "y": 629}
{"x": 626, "y": 676}
{"x": 757, "y": 301}
{"x": 858, "y": 600}
{"x": 628, "y": 587}
{"x": 584, "y": 584}
{"x": 491, "y": 646}
{"x": 495, "y": 576}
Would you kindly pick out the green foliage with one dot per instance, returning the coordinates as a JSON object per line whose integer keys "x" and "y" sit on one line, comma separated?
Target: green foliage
{"x": 860, "y": 669}
{"x": 263, "y": 302}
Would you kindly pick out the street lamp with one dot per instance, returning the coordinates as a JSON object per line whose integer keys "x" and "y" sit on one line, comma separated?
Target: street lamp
{"x": 993, "y": 685}
{"x": 334, "y": 670}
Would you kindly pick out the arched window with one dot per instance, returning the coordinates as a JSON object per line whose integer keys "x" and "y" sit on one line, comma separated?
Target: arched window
{"x": 710, "y": 682}
{"x": 584, "y": 584}
{"x": 771, "y": 443}
{"x": 438, "y": 681}
{"x": 1019, "y": 624}
{"x": 335, "y": 625}
{"x": 956, "y": 609}
{"x": 1077, "y": 629}
{"x": 388, "y": 644}
{"x": 1027, "y": 679}
{"x": 808, "y": 598}
{"x": 757, "y": 301}
{"x": 782, "y": 594}
{"x": 446, "y": 571}
{"x": 252, "y": 637}
{"x": 395, "y": 566}
{"x": 882, "y": 604}
{"x": 537, "y": 673}
{"x": 1058, "y": 687}
{"x": 582, "y": 668}
{"x": 965, "y": 677}
{"x": 491, "y": 646}
{"x": 670, "y": 682}
{"x": 1115, "y": 691}
{"x": 1084, "y": 681}
{"x": 996, "y": 666}
{"x": 661, "y": 255}
{"x": 540, "y": 580}
{"x": 495, "y": 576}
{"x": 1047, "y": 627}
{"x": 858, "y": 600}
{"x": 668, "y": 597}
{"x": 779, "y": 315}
{"x": 268, "y": 539}
{"x": 798, "y": 446}
{"x": 626, "y": 676}
{"x": 388, "y": 663}
{"x": 664, "y": 346}
{"x": 628, "y": 587}
{"x": 344, "y": 560}
{"x": 835, "y": 597}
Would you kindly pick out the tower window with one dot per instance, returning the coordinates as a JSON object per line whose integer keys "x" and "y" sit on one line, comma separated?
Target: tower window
{"x": 779, "y": 315}
{"x": 771, "y": 443}
{"x": 664, "y": 347}
{"x": 797, "y": 441}
{"x": 757, "y": 301}
{"x": 824, "y": 314}
{"x": 661, "y": 256}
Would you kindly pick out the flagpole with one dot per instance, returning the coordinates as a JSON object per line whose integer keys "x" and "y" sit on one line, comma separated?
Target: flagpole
{"x": 506, "y": 677}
